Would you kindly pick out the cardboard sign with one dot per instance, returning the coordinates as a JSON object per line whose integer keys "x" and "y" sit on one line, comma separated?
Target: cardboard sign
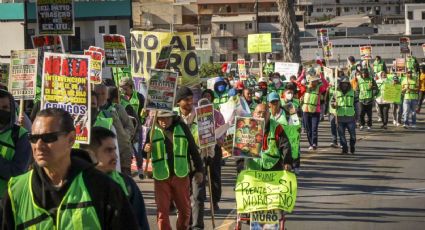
{"x": 95, "y": 66}
{"x": 23, "y": 73}
{"x": 286, "y": 69}
{"x": 248, "y": 137}
{"x": 115, "y": 50}
{"x": 260, "y": 43}
{"x": 404, "y": 45}
{"x": 206, "y": 125}
{"x": 366, "y": 52}
{"x": 322, "y": 37}
{"x": 55, "y": 17}
{"x": 242, "y": 70}
{"x": 146, "y": 47}
{"x": 161, "y": 90}
{"x": 98, "y": 49}
{"x": 265, "y": 220}
{"x": 328, "y": 73}
{"x": 265, "y": 190}
{"x": 66, "y": 85}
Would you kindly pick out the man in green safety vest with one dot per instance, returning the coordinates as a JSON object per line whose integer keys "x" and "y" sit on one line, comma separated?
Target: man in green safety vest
{"x": 268, "y": 67}
{"x": 367, "y": 90}
{"x": 412, "y": 64}
{"x": 276, "y": 148}
{"x": 379, "y": 65}
{"x": 410, "y": 87}
{"x": 344, "y": 105}
{"x": 103, "y": 152}
{"x": 173, "y": 151}
{"x": 132, "y": 100}
{"x": 15, "y": 150}
{"x": 63, "y": 191}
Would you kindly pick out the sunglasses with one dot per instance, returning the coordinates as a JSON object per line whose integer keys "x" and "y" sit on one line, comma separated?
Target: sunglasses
{"x": 46, "y": 137}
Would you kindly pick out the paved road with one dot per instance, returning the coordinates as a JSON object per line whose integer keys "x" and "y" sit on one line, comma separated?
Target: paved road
{"x": 382, "y": 186}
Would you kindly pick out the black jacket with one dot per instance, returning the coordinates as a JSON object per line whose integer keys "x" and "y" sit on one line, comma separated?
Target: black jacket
{"x": 109, "y": 201}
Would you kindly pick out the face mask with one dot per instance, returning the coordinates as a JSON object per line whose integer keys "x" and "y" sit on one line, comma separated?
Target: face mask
{"x": 289, "y": 96}
{"x": 221, "y": 88}
{"x": 276, "y": 80}
{"x": 5, "y": 117}
{"x": 269, "y": 60}
{"x": 258, "y": 94}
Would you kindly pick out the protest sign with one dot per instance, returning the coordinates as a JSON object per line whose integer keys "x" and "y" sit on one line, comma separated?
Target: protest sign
{"x": 115, "y": 50}
{"x": 23, "y": 73}
{"x": 227, "y": 147}
{"x": 95, "y": 66}
{"x": 55, "y": 17}
{"x": 265, "y": 190}
{"x": 328, "y": 50}
{"x": 206, "y": 127}
{"x": 400, "y": 65}
{"x": 265, "y": 220}
{"x": 242, "y": 70}
{"x": 248, "y": 137}
{"x": 47, "y": 43}
{"x": 146, "y": 47}
{"x": 260, "y": 43}
{"x": 164, "y": 57}
{"x": 366, "y": 52}
{"x": 404, "y": 45}
{"x": 4, "y": 73}
{"x": 423, "y": 48}
{"x": 66, "y": 85}
{"x": 118, "y": 73}
{"x": 98, "y": 49}
{"x": 322, "y": 37}
{"x": 392, "y": 93}
{"x": 161, "y": 90}
{"x": 328, "y": 73}
{"x": 286, "y": 69}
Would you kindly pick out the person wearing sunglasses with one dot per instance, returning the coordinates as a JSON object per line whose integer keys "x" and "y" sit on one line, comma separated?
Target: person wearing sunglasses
{"x": 63, "y": 190}
{"x": 15, "y": 150}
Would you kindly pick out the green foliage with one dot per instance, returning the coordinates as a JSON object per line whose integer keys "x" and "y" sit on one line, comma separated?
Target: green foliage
{"x": 209, "y": 70}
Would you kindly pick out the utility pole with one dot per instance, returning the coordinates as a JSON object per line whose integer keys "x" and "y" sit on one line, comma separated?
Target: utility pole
{"x": 25, "y": 25}
{"x": 256, "y": 17}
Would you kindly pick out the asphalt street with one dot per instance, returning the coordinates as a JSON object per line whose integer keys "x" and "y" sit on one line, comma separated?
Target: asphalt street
{"x": 381, "y": 186}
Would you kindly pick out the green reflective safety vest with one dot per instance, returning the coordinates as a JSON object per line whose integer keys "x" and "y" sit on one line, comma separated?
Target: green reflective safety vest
{"x": 410, "y": 64}
{"x": 218, "y": 100}
{"x": 76, "y": 210}
{"x": 410, "y": 95}
{"x": 270, "y": 156}
{"x": 133, "y": 102}
{"x": 272, "y": 88}
{"x": 365, "y": 87}
{"x": 159, "y": 155}
{"x": 345, "y": 103}
{"x": 311, "y": 98}
{"x": 7, "y": 150}
{"x": 331, "y": 95}
{"x": 193, "y": 127}
{"x": 115, "y": 176}
{"x": 292, "y": 130}
{"x": 103, "y": 122}
{"x": 378, "y": 66}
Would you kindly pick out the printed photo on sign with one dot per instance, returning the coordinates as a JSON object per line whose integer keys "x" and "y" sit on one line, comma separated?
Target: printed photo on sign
{"x": 265, "y": 220}
{"x": 322, "y": 37}
{"x": 400, "y": 65}
{"x": 66, "y": 85}
{"x": 23, "y": 73}
{"x": 98, "y": 49}
{"x": 95, "y": 66}
{"x": 55, "y": 17}
{"x": 161, "y": 90}
{"x": 366, "y": 52}
{"x": 206, "y": 126}
{"x": 248, "y": 137}
{"x": 115, "y": 50}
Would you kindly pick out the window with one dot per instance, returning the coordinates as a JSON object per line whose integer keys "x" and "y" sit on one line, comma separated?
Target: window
{"x": 388, "y": 8}
{"x": 329, "y": 9}
{"x": 234, "y": 44}
{"x": 223, "y": 26}
{"x": 346, "y": 9}
{"x": 319, "y": 10}
{"x": 247, "y": 57}
{"x": 423, "y": 15}
{"x": 368, "y": 9}
{"x": 410, "y": 15}
{"x": 223, "y": 57}
{"x": 112, "y": 29}
{"x": 361, "y": 9}
{"x": 205, "y": 6}
{"x": 248, "y": 26}
{"x": 416, "y": 30}
{"x": 101, "y": 29}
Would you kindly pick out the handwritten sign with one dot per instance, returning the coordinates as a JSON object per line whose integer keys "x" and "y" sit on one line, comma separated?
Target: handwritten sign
{"x": 23, "y": 73}
{"x": 206, "y": 126}
{"x": 55, "y": 17}
{"x": 260, "y": 43}
{"x": 161, "y": 90}
{"x": 248, "y": 137}
{"x": 286, "y": 69}
{"x": 265, "y": 190}
{"x": 366, "y": 52}
{"x": 392, "y": 93}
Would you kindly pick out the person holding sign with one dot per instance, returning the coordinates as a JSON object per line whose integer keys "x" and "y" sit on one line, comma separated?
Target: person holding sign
{"x": 410, "y": 89}
{"x": 383, "y": 105}
{"x": 276, "y": 149}
{"x": 367, "y": 90}
{"x": 344, "y": 105}
{"x": 268, "y": 67}
{"x": 173, "y": 151}
{"x": 14, "y": 145}
{"x": 379, "y": 65}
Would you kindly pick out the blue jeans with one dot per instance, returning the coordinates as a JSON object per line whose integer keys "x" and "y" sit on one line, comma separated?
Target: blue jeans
{"x": 409, "y": 107}
{"x": 334, "y": 130}
{"x": 311, "y": 122}
{"x": 351, "y": 126}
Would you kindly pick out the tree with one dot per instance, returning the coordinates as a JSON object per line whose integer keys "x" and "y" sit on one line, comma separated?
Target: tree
{"x": 210, "y": 70}
{"x": 289, "y": 32}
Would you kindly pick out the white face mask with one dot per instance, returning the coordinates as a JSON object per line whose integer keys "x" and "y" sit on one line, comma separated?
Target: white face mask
{"x": 258, "y": 94}
{"x": 276, "y": 80}
{"x": 269, "y": 60}
{"x": 289, "y": 96}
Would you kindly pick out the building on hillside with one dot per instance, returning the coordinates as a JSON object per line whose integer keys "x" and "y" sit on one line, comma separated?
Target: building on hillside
{"x": 415, "y": 19}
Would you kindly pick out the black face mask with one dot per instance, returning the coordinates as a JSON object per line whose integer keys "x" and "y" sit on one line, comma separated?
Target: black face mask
{"x": 5, "y": 117}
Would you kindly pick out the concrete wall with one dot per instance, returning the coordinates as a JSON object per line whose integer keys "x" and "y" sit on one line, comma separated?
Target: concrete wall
{"x": 417, "y": 21}
{"x": 12, "y": 38}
